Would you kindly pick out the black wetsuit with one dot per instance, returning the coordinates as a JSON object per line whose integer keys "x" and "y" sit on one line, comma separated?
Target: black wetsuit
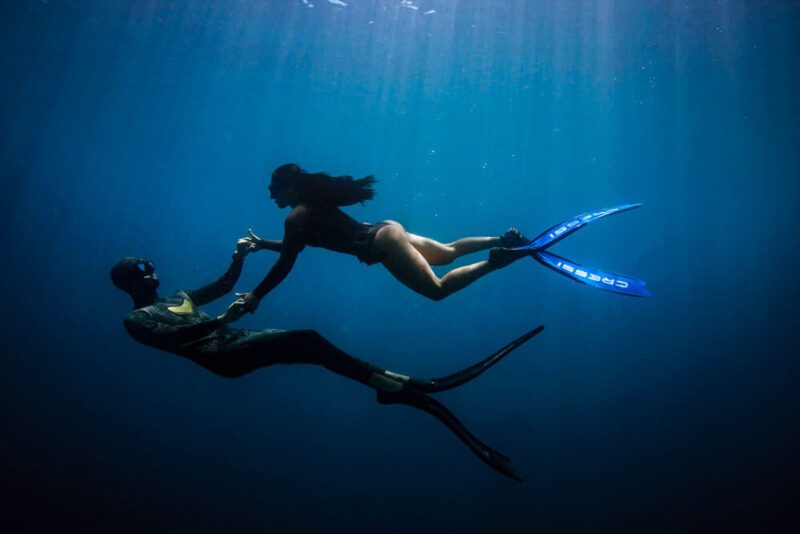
{"x": 177, "y": 325}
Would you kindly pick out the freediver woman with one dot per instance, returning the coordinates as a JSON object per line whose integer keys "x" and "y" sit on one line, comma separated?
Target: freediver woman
{"x": 316, "y": 220}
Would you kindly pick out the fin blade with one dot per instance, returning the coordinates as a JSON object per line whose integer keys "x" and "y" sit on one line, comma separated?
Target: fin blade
{"x": 608, "y": 281}
{"x": 553, "y": 235}
{"x": 459, "y": 378}
{"x": 494, "y": 459}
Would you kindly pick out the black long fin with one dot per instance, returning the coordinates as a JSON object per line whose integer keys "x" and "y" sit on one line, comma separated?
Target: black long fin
{"x": 496, "y": 460}
{"x": 460, "y": 378}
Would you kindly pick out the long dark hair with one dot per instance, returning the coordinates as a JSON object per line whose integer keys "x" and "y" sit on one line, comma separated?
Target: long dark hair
{"x": 322, "y": 189}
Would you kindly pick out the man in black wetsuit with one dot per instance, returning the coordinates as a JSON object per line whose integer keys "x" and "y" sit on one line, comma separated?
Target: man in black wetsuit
{"x": 177, "y": 325}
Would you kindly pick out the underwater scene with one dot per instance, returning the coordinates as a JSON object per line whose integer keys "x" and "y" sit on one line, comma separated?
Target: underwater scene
{"x": 283, "y": 265}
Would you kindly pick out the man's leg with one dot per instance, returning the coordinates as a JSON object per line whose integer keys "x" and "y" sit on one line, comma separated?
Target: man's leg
{"x": 247, "y": 351}
{"x": 259, "y": 349}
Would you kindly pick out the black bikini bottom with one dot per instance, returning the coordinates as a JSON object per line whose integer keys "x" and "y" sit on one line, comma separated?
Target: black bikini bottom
{"x": 363, "y": 243}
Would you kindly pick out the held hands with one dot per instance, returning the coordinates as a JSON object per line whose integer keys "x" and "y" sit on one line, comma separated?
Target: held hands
{"x": 259, "y": 242}
{"x": 244, "y": 246}
{"x": 233, "y": 313}
{"x": 247, "y": 302}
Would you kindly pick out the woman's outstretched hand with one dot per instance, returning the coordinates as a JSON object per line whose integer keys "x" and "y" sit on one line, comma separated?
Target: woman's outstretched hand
{"x": 258, "y": 242}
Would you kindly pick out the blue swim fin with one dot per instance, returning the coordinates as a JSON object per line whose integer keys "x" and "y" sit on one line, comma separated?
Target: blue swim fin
{"x": 616, "y": 283}
{"x": 560, "y": 231}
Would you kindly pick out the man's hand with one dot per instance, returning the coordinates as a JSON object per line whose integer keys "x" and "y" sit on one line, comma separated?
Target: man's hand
{"x": 244, "y": 246}
{"x": 248, "y": 301}
{"x": 234, "y": 312}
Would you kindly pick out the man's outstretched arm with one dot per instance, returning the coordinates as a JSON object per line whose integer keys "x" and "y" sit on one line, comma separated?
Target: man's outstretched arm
{"x": 224, "y": 284}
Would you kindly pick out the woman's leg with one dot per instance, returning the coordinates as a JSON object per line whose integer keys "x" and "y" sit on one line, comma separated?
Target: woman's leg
{"x": 412, "y": 269}
{"x": 436, "y": 253}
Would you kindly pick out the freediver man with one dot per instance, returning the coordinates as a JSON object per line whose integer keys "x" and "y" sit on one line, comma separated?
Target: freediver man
{"x": 176, "y": 324}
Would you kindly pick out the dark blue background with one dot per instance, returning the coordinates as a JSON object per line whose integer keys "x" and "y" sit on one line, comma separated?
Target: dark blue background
{"x": 149, "y": 128}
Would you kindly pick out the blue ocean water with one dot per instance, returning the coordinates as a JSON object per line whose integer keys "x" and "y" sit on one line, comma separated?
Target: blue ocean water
{"x": 150, "y": 129}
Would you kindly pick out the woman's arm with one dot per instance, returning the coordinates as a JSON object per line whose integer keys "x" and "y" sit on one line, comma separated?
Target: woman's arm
{"x": 293, "y": 243}
{"x": 265, "y": 244}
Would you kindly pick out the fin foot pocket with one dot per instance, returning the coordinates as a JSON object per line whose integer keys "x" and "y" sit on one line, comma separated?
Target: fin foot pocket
{"x": 513, "y": 238}
{"x": 502, "y": 257}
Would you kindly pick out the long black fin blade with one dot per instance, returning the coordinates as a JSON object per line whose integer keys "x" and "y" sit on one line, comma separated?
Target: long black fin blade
{"x": 460, "y": 378}
{"x": 494, "y": 459}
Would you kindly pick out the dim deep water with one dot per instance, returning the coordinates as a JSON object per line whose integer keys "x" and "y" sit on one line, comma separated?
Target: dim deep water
{"x": 150, "y": 129}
